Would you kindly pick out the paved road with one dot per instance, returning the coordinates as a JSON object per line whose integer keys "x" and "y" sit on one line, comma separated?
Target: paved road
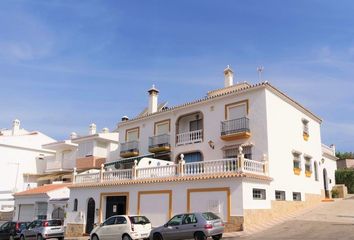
{"x": 329, "y": 221}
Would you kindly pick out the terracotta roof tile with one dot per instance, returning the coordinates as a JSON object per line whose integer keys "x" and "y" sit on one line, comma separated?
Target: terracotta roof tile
{"x": 42, "y": 189}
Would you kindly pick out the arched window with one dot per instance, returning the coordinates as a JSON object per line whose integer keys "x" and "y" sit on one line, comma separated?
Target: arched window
{"x": 75, "y": 205}
{"x": 315, "y": 168}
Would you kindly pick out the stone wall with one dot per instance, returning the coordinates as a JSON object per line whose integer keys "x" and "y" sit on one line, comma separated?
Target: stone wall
{"x": 6, "y": 216}
{"x": 342, "y": 190}
{"x": 235, "y": 224}
{"x": 279, "y": 209}
{"x": 74, "y": 230}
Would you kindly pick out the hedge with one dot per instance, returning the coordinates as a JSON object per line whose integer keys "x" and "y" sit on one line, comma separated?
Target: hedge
{"x": 346, "y": 177}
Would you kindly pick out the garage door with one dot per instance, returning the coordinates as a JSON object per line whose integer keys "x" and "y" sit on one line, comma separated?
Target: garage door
{"x": 26, "y": 212}
{"x": 156, "y": 206}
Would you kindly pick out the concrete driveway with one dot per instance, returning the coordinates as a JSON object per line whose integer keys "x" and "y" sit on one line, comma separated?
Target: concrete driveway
{"x": 330, "y": 220}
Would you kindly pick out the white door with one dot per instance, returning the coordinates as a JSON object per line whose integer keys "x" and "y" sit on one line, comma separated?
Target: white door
{"x": 26, "y": 212}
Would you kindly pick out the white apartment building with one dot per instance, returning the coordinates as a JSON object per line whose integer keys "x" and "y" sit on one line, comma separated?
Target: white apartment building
{"x": 22, "y": 158}
{"x": 247, "y": 152}
{"x": 78, "y": 154}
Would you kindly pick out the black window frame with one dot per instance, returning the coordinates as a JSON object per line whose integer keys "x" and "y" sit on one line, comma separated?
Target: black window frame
{"x": 263, "y": 194}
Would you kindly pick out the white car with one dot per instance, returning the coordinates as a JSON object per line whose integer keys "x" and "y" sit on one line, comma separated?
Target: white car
{"x": 122, "y": 227}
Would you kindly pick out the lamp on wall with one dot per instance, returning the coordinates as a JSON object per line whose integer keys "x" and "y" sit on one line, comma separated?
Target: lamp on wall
{"x": 322, "y": 160}
{"x": 211, "y": 144}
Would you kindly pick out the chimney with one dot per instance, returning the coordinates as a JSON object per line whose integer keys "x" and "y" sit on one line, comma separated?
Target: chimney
{"x": 73, "y": 135}
{"x": 333, "y": 148}
{"x": 92, "y": 129}
{"x": 105, "y": 130}
{"x": 15, "y": 127}
{"x": 153, "y": 97}
{"x": 229, "y": 76}
{"x": 125, "y": 118}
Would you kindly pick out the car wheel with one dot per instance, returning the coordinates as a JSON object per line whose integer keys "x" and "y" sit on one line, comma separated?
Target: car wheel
{"x": 94, "y": 237}
{"x": 126, "y": 237}
{"x": 217, "y": 237}
{"x": 157, "y": 236}
{"x": 199, "y": 236}
{"x": 39, "y": 237}
{"x": 22, "y": 237}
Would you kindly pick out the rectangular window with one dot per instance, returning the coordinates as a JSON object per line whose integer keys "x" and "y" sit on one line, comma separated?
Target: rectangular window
{"x": 195, "y": 125}
{"x": 193, "y": 157}
{"x": 280, "y": 195}
{"x": 132, "y": 135}
{"x": 308, "y": 164}
{"x": 305, "y": 126}
{"x": 296, "y": 196}
{"x": 162, "y": 127}
{"x": 259, "y": 194}
{"x": 233, "y": 152}
{"x": 41, "y": 210}
{"x": 297, "y": 160}
{"x": 236, "y": 110}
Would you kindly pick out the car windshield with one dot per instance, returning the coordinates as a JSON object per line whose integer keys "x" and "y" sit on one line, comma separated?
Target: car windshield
{"x": 139, "y": 220}
{"x": 210, "y": 216}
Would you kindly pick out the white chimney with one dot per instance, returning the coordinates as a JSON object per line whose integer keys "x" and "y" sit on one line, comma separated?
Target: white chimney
{"x": 73, "y": 135}
{"x": 15, "y": 127}
{"x": 229, "y": 76}
{"x": 153, "y": 97}
{"x": 105, "y": 130}
{"x": 92, "y": 129}
{"x": 333, "y": 149}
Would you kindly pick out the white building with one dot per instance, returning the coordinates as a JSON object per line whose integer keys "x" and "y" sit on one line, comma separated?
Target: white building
{"x": 79, "y": 153}
{"x": 246, "y": 152}
{"x": 22, "y": 158}
{"x": 44, "y": 202}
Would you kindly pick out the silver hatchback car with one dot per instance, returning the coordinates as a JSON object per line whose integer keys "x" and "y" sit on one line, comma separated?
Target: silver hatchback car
{"x": 190, "y": 225}
{"x": 43, "y": 229}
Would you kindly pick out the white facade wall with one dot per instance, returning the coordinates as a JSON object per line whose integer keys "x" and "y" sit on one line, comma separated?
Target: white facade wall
{"x": 212, "y": 112}
{"x": 179, "y": 196}
{"x": 285, "y": 134}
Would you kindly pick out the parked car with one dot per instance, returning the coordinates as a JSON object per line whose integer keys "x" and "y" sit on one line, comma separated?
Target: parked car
{"x": 11, "y": 230}
{"x": 122, "y": 227}
{"x": 43, "y": 229}
{"x": 199, "y": 226}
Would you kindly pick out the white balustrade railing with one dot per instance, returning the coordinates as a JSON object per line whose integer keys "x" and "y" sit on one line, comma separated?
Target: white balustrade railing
{"x": 190, "y": 137}
{"x": 174, "y": 170}
{"x": 253, "y": 166}
{"x": 87, "y": 178}
{"x": 210, "y": 167}
{"x": 157, "y": 172}
{"x": 114, "y": 175}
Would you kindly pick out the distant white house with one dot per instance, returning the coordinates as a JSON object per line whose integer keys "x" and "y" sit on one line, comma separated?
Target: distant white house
{"x": 44, "y": 202}
{"x": 247, "y": 152}
{"x": 80, "y": 154}
{"x": 22, "y": 157}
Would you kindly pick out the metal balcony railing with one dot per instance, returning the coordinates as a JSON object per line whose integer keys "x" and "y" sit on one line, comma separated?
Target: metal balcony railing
{"x": 129, "y": 146}
{"x": 159, "y": 141}
{"x": 235, "y": 126}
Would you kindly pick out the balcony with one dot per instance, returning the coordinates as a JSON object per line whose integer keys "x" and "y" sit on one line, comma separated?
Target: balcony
{"x": 160, "y": 143}
{"x": 189, "y": 137}
{"x": 235, "y": 129}
{"x": 129, "y": 149}
{"x": 233, "y": 166}
{"x": 89, "y": 162}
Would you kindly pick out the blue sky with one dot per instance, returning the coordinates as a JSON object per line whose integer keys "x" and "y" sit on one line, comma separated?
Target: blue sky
{"x": 65, "y": 64}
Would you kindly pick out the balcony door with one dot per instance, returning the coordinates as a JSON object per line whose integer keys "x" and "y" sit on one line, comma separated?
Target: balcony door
{"x": 236, "y": 111}
{"x": 195, "y": 125}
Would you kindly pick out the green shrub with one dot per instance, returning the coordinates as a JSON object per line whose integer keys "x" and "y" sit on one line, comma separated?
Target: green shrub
{"x": 335, "y": 193}
{"x": 346, "y": 177}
